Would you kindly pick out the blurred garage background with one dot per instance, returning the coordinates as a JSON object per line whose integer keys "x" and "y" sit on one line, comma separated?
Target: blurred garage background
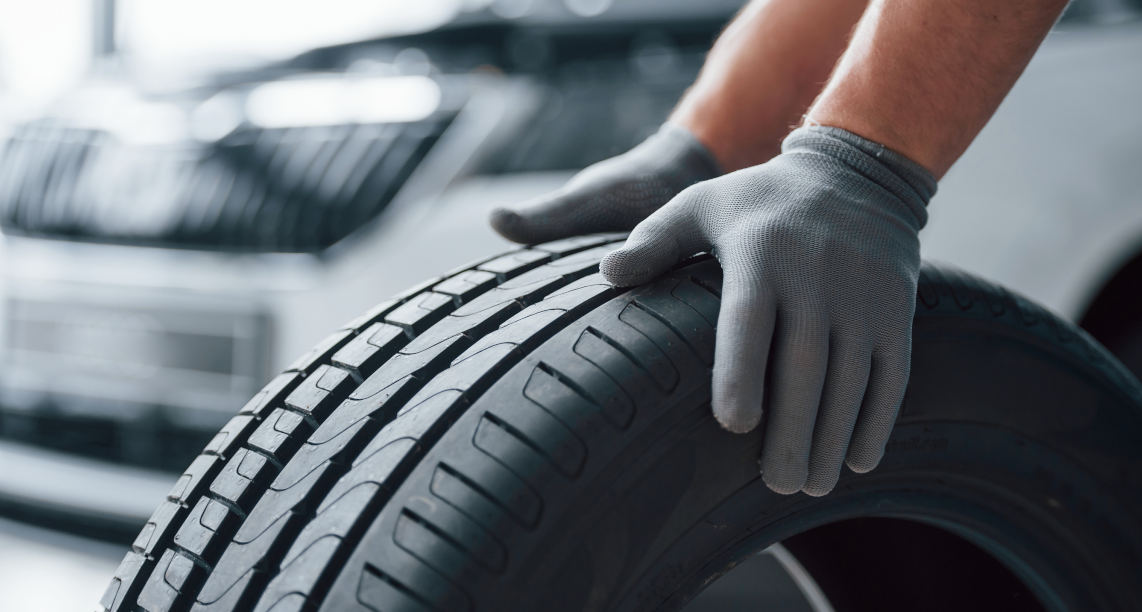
{"x": 194, "y": 193}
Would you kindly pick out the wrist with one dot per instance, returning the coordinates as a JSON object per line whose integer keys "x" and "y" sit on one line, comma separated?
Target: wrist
{"x": 894, "y": 173}
{"x": 926, "y": 150}
{"x": 738, "y": 135}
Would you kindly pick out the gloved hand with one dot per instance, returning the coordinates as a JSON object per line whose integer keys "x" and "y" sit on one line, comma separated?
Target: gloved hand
{"x": 615, "y": 194}
{"x": 820, "y": 256}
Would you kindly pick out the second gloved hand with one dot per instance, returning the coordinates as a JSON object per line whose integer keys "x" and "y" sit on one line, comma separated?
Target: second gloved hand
{"x": 614, "y": 194}
{"x": 820, "y": 258}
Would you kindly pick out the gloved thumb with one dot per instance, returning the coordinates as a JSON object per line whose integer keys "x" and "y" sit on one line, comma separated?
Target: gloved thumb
{"x": 654, "y": 247}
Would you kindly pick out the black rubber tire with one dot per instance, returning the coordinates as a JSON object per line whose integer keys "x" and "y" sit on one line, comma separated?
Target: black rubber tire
{"x": 520, "y": 436}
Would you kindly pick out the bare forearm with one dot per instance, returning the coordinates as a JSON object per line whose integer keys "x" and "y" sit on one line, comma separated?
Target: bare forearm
{"x": 923, "y": 78}
{"x": 764, "y": 71}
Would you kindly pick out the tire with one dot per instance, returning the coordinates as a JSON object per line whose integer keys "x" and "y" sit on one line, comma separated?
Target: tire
{"x": 520, "y": 435}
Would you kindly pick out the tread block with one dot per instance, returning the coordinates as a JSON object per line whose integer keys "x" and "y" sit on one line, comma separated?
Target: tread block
{"x": 587, "y": 260}
{"x": 375, "y": 464}
{"x": 157, "y": 528}
{"x": 182, "y": 572}
{"x": 383, "y": 384}
{"x": 567, "y": 299}
{"x": 418, "y": 288}
{"x": 524, "y": 328}
{"x": 318, "y": 394}
{"x": 467, "y": 284}
{"x": 231, "y": 598}
{"x": 313, "y": 456}
{"x": 268, "y": 397}
{"x": 469, "y": 325}
{"x": 442, "y": 392}
{"x": 280, "y": 433}
{"x": 157, "y": 593}
{"x": 338, "y": 517}
{"x": 513, "y": 264}
{"x": 321, "y": 353}
{"x": 198, "y": 533}
{"x": 126, "y": 576}
{"x": 230, "y": 436}
{"x": 189, "y": 483}
{"x": 501, "y": 297}
{"x": 276, "y": 504}
{"x": 372, "y": 315}
{"x": 293, "y": 602}
{"x": 420, "y": 312}
{"x": 590, "y": 280}
{"x": 510, "y": 336}
{"x": 227, "y": 582}
{"x": 238, "y": 480}
{"x": 301, "y": 575}
{"x": 365, "y": 353}
{"x": 566, "y": 246}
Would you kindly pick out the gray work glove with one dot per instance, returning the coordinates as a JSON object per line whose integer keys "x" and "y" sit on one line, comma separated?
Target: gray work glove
{"x": 820, "y": 257}
{"x": 615, "y": 194}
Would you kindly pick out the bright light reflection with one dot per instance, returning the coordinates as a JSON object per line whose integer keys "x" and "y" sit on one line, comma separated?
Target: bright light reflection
{"x": 330, "y": 101}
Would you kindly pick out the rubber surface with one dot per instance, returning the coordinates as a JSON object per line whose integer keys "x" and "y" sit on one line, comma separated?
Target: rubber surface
{"x": 520, "y": 434}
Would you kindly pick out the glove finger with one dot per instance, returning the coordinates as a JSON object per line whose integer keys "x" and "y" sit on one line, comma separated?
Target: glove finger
{"x": 886, "y": 385}
{"x": 800, "y": 359}
{"x": 741, "y": 352}
{"x": 849, "y": 365}
{"x": 653, "y": 248}
{"x": 559, "y": 215}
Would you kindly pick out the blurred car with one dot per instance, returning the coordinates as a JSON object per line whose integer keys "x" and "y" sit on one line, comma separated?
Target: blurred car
{"x": 166, "y": 250}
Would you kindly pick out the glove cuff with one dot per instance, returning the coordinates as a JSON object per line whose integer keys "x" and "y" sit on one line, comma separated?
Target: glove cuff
{"x": 679, "y": 141}
{"x": 900, "y": 176}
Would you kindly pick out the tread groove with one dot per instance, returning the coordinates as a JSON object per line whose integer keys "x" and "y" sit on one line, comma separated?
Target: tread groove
{"x": 609, "y": 341}
{"x": 233, "y": 507}
{"x": 705, "y": 285}
{"x": 483, "y": 492}
{"x": 518, "y": 435}
{"x": 668, "y": 324}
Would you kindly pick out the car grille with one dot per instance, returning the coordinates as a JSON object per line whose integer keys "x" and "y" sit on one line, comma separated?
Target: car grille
{"x": 150, "y": 442}
{"x": 140, "y": 384}
{"x": 295, "y": 189}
